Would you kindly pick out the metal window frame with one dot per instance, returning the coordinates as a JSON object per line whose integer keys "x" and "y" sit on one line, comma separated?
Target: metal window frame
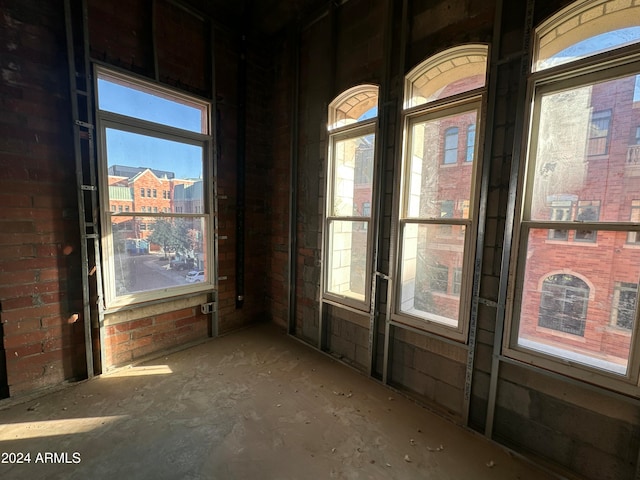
{"x": 106, "y": 119}
{"x": 584, "y": 72}
{"x": 367, "y": 127}
{"x": 474, "y": 100}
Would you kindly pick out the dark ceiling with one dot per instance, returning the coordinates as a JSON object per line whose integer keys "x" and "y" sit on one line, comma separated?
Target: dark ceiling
{"x": 265, "y": 17}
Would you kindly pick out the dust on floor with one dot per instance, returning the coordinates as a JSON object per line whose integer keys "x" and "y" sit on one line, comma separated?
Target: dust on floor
{"x": 255, "y": 404}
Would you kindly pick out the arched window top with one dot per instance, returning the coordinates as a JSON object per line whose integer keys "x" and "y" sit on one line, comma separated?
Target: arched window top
{"x": 583, "y": 29}
{"x": 456, "y": 70}
{"x": 355, "y": 105}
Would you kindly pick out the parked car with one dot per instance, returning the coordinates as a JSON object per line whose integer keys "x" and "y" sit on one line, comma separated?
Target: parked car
{"x": 195, "y": 276}
{"x": 182, "y": 263}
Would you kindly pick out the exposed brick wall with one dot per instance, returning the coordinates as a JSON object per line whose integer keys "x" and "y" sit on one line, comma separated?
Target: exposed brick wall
{"x": 39, "y": 240}
{"x": 174, "y": 23}
{"x": 278, "y": 188}
{"x": 132, "y": 46}
{"x": 128, "y": 341}
{"x": 40, "y": 288}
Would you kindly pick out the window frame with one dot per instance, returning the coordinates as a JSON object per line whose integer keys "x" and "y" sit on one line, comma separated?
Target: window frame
{"x": 472, "y": 100}
{"x": 450, "y": 132}
{"x": 599, "y": 115}
{"x": 338, "y": 134}
{"x": 605, "y": 66}
{"x": 619, "y": 288}
{"x": 106, "y": 119}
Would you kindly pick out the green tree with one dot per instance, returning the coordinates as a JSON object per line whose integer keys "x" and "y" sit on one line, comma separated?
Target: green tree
{"x": 170, "y": 234}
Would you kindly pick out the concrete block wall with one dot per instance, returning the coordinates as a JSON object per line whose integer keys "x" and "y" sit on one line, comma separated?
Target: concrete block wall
{"x": 348, "y": 336}
{"x": 554, "y": 420}
{"x": 429, "y": 369}
{"x": 588, "y": 433}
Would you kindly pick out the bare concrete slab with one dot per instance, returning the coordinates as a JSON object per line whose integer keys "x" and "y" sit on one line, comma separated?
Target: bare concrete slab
{"x": 255, "y": 404}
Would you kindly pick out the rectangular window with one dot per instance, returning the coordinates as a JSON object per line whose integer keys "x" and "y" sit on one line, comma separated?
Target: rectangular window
{"x": 625, "y": 298}
{"x": 435, "y": 223}
{"x": 457, "y": 280}
{"x": 439, "y": 278}
{"x": 588, "y": 211}
{"x": 471, "y": 142}
{"x": 148, "y": 134}
{"x": 599, "y": 133}
{"x": 350, "y": 189}
{"x": 450, "y": 146}
{"x": 561, "y": 211}
{"x": 567, "y": 298}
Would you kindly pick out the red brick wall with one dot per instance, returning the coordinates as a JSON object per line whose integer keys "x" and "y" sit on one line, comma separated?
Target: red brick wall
{"x": 612, "y": 254}
{"x": 278, "y": 188}
{"x": 40, "y": 285}
{"x": 128, "y": 341}
{"x": 39, "y": 239}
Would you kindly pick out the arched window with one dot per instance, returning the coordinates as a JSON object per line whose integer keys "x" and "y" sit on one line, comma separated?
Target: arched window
{"x": 563, "y": 304}
{"x": 350, "y": 183}
{"x": 579, "y": 186}
{"x": 443, "y": 96}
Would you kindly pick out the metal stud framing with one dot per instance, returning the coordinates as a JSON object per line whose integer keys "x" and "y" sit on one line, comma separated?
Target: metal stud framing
{"x": 80, "y": 89}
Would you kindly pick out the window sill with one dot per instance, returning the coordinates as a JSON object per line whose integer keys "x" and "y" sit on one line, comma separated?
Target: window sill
{"x": 612, "y": 329}
{"x": 573, "y": 243}
{"x": 123, "y": 305}
{"x": 151, "y": 309}
{"x": 558, "y": 334}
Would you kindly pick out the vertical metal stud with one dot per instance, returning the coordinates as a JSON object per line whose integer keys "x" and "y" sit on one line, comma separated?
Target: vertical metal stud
{"x": 516, "y": 161}
{"x": 482, "y": 208}
{"x": 393, "y": 234}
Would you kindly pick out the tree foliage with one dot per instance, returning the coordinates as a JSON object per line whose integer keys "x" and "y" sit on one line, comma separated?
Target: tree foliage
{"x": 171, "y": 234}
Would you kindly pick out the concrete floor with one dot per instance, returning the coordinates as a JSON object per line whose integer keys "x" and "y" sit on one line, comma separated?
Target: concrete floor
{"x": 255, "y": 404}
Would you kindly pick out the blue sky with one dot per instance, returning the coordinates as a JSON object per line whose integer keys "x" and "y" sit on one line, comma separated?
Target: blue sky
{"x": 131, "y": 149}
{"x": 135, "y": 150}
{"x": 591, "y": 46}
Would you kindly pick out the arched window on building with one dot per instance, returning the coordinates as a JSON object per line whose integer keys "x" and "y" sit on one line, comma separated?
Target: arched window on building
{"x": 350, "y": 182}
{"x": 578, "y": 197}
{"x": 438, "y": 207}
{"x": 563, "y": 304}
